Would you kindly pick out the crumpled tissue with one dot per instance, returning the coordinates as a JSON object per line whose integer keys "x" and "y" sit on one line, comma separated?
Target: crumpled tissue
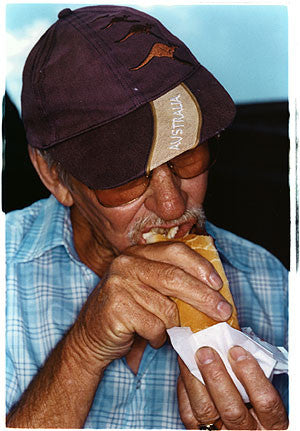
{"x": 221, "y": 337}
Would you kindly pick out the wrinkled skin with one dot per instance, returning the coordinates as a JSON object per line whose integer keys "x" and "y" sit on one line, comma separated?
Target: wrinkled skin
{"x": 131, "y": 306}
{"x": 219, "y": 401}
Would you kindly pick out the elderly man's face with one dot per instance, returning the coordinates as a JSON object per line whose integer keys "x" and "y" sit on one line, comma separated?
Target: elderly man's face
{"x": 165, "y": 204}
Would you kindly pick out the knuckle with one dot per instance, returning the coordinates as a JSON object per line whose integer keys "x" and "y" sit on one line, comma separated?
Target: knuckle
{"x": 208, "y": 300}
{"x": 171, "y": 310}
{"x": 173, "y": 274}
{"x": 156, "y": 333}
{"x": 269, "y": 404}
{"x": 121, "y": 261}
{"x": 206, "y": 413}
{"x": 207, "y": 297}
{"x": 216, "y": 376}
{"x": 235, "y": 416}
{"x": 177, "y": 248}
{"x": 113, "y": 279}
{"x": 157, "y": 327}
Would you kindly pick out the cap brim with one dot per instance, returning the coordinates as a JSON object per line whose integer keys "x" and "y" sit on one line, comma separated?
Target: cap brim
{"x": 116, "y": 153}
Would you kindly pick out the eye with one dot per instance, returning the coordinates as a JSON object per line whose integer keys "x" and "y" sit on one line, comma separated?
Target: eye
{"x": 123, "y": 194}
{"x": 192, "y": 162}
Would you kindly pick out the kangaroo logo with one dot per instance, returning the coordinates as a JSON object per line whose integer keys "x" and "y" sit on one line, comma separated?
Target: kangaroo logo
{"x": 138, "y": 29}
{"x": 123, "y": 18}
{"x": 160, "y": 50}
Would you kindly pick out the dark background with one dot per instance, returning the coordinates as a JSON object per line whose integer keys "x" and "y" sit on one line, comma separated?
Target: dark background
{"x": 248, "y": 190}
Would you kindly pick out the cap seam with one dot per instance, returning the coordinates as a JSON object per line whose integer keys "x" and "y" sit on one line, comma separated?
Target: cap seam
{"x": 98, "y": 47}
{"x": 39, "y": 91}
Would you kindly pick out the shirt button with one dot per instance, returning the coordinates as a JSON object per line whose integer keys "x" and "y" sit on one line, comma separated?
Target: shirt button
{"x": 138, "y": 385}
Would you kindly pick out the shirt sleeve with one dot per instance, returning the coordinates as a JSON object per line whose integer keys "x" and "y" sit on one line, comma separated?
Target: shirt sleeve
{"x": 13, "y": 390}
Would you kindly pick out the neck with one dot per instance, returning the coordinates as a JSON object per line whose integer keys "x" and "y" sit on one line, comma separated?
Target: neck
{"x": 92, "y": 250}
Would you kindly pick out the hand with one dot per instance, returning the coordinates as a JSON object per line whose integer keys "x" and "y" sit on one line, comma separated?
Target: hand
{"x": 219, "y": 399}
{"x": 133, "y": 298}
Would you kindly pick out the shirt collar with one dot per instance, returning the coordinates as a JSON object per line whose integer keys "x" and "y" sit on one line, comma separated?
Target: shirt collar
{"x": 230, "y": 247}
{"x": 50, "y": 228}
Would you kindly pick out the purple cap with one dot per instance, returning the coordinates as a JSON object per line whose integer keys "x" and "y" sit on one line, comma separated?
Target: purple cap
{"x": 112, "y": 94}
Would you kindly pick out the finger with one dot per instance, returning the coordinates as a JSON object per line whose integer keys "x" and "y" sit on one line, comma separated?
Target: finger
{"x": 123, "y": 317}
{"x": 223, "y": 392}
{"x": 179, "y": 254}
{"x": 263, "y": 396}
{"x": 147, "y": 325}
{"x": 185, "y": 410}
{"x": 156, "y": 303}
{"x": 201, "y": 404}
{"x": 173, "y": 281}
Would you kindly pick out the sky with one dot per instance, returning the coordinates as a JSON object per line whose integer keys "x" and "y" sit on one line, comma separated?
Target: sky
{"x": 244, "y": 46}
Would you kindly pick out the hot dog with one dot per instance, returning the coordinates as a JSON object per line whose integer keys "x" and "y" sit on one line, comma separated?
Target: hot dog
{"x": 189, "y": 316}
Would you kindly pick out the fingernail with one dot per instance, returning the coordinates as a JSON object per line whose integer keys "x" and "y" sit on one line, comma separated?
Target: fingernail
{"x": 224, "y": 309}
{"x": 215, "y": 280}
{"x": 205, "y": 355}
{"x": 237, "y": 353}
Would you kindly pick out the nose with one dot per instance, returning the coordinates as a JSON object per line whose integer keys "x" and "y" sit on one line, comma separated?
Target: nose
{"x": 164, "y": 196}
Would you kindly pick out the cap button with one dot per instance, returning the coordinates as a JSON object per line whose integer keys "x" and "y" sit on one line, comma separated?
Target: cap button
{"x": 65, "y": 12}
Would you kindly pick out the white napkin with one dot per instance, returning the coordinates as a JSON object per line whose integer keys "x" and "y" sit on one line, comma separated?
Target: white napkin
{"x": 222, "y": 337}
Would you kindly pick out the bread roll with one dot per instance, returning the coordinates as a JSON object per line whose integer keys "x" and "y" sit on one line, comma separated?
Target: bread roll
{"x": 189, "y": 316}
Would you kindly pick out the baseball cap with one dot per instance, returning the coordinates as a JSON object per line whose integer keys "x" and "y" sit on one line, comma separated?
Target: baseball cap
{"x": 112, "y": 94}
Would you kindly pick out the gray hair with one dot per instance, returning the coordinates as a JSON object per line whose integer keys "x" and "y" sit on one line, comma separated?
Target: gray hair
{"x": 64, "y": 177}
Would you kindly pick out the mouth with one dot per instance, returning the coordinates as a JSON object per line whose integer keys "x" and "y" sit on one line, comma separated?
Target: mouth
{"x": 155, "y": 233}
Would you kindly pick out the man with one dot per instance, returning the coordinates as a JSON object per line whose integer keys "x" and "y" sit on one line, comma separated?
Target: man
{"x": 122, "y": 123}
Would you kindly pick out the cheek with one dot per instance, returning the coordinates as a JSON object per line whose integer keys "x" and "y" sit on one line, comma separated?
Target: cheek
{"x": 195, "y": 188}
{"x": 108, "y": 226}
{"x": 120, "y": 219}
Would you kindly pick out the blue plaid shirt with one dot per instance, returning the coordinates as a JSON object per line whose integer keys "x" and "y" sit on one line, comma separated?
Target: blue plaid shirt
{"x": 47, "y": 285}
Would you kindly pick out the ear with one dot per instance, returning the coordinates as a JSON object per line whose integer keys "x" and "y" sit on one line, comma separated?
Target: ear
{"x": 50, "y": 178}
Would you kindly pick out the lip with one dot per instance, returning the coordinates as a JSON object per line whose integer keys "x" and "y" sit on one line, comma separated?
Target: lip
{"x": 183, "y": 229}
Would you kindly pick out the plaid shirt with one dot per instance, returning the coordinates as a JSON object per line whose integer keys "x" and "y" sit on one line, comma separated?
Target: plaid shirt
{"x": 47, "y": 285}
